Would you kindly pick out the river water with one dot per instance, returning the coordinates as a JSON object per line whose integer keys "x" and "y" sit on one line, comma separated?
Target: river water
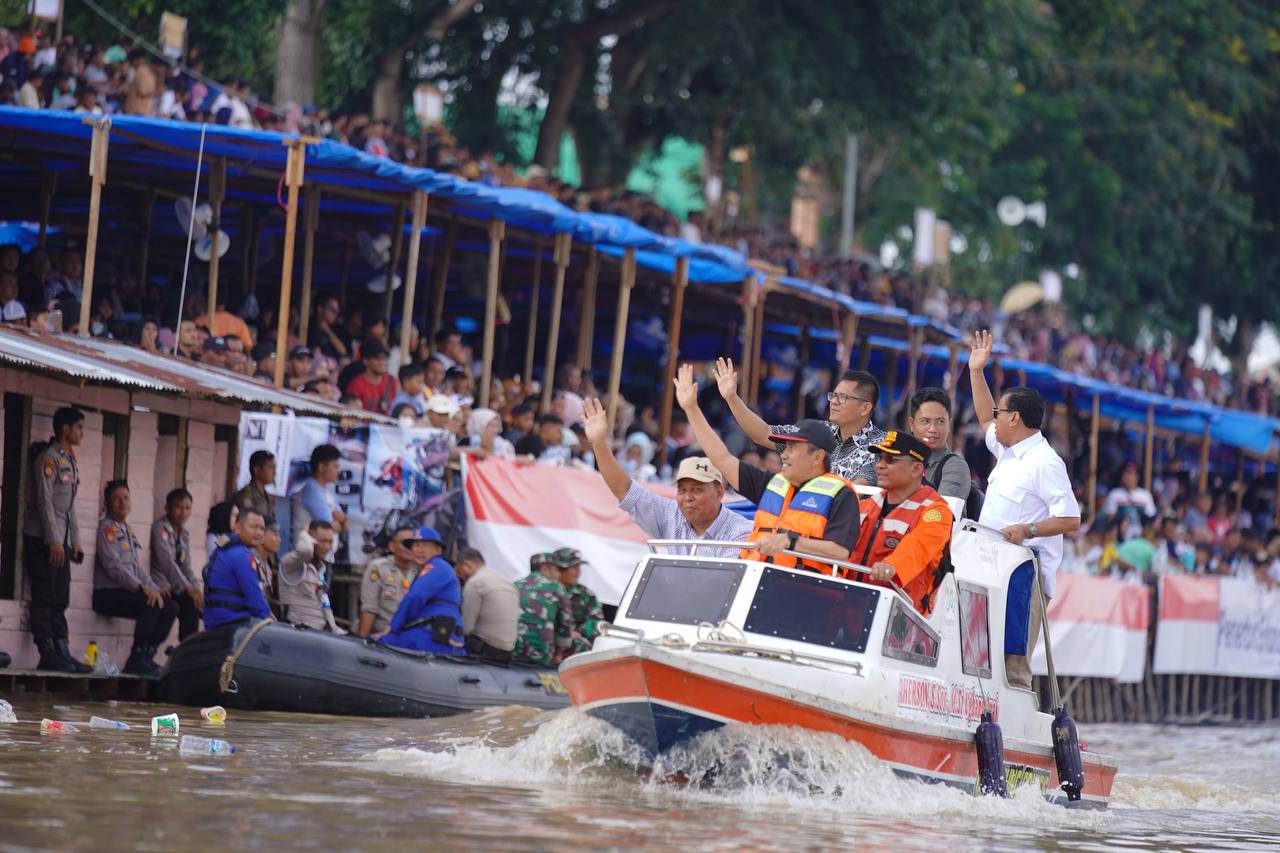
{"x": 519, "y": 779}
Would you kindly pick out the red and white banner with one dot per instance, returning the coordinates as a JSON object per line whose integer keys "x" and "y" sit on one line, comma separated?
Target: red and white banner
{"x": 1098, "y": 628}
{"x": 1217, "y": 626}
{"x": 516, "y": 511}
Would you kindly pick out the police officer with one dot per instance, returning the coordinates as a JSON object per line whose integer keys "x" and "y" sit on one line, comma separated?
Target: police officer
{"x": 232, "y": 580}
{"x": 121, "y": 587}
{"x": 171, "y": 561}
{"x": 52, "y": 539}
{"x": 386, "y": 581}
{"x": 544, "y": 635}
{"x": 585, "y": 613}
{"x": 429, "y": 618}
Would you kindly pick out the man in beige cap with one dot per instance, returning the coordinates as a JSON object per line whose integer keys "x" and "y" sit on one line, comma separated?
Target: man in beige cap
{"x": 697, "y": 512}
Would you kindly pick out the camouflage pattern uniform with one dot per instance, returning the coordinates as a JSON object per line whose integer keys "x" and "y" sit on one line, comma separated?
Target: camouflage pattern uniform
{"x": 585, "y": 614}
{"x": 545, "y": 628}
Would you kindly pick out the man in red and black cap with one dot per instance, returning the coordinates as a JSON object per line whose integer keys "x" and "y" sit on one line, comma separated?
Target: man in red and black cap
{"x": 804, "y": 507}
{"x": 905, "y": 530}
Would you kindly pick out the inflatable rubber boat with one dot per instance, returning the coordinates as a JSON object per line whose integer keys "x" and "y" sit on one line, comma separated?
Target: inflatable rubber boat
{"x": 273, "y": 666}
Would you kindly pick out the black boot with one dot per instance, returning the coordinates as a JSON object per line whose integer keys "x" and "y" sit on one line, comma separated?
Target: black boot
{"x": 65, "y": 650}
{"x": 141, "y": 663}
{"x": 51, "y": 660}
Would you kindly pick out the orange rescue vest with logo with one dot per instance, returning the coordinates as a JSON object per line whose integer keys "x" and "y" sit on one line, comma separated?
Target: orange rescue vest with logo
{"x": 783, "y": 507}
{"x": 912, "y": 538}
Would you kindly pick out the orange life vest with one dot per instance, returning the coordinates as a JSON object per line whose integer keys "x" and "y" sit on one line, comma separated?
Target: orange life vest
{"x": 924, "y": 515}
{"x": 783, "y": 507}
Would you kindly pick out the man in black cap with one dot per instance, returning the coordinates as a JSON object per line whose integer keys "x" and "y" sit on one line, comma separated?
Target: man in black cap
{"x": 214, "y": 352}
{"x": 375, "y": 387}
{"x": 905, "y": 530}
{"x": 804, "y": 507}
{"x": 264, "y": 359}
{"x": 298, "y": 367}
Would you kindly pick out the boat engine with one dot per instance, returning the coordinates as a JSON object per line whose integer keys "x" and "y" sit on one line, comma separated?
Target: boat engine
{"x": 990, "y": 757}
{"x": 1066, "y": 752}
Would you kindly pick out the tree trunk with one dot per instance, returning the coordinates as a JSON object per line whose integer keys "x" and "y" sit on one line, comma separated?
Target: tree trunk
{"x": 298, "y": 52}
{"x": 568, "y": 76}
{"x": 388, "y": 100}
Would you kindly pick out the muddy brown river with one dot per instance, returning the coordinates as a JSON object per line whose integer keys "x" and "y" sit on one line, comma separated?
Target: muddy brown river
{"x": 516, "y": 779}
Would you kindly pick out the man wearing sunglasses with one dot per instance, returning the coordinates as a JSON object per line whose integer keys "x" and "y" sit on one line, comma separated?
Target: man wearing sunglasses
{"x": 386, "y": 581}
{"x": 850, "y": 406}
{"x": 1029, "y": 496}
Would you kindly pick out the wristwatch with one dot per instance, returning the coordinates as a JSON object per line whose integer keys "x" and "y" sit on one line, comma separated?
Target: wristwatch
{"x": 792, "y": 539}
{"x": 1031, "y": 529}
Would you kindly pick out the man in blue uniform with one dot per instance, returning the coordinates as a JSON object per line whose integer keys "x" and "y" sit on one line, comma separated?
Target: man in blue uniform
{"x": 232, "y": 584}
{"x": 429, "y": 618}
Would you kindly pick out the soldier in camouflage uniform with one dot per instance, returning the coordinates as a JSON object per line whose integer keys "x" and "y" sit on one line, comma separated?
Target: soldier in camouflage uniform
{"x": 585, "y": 612}
{"x": 544, "y": 634}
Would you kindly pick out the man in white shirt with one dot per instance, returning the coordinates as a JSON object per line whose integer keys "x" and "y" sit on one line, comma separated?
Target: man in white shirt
{"x": 1029, "y": 495}
{"x": 1131, "y": 502}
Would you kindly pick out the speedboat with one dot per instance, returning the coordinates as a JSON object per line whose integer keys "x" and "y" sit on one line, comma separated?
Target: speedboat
{"x": 701, "y": 642}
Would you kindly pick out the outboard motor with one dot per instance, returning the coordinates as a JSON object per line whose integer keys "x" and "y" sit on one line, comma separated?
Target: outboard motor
{"x": 1066, "y": 753}
{"x": 991, "y": 757}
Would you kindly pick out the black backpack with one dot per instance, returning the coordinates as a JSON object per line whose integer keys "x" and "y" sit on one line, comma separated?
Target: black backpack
{"x": 972, "y": 503}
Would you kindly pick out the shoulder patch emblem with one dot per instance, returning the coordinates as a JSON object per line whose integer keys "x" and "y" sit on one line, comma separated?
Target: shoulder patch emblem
{"x": 49, "y": 468}
{"x": 932, "y": 515}
{"x": 110, "y": 533}
{"x": 373, "y": 575}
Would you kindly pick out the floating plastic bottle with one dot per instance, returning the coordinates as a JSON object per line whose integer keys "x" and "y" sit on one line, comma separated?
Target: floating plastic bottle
{"x": 104, "y": 723}
{"x": 217, "y": 715}
{"x": 51, "y": 727}
{"x": 192, "y": 745}
{"x": 103, "y": 665}
{"x": 166, "y": 724}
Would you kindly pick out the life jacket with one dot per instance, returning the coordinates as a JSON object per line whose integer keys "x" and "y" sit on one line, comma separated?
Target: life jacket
{"x": 227, "y": 597}
{"x": 881, "y": 534}
{"x": 783, "y": 507}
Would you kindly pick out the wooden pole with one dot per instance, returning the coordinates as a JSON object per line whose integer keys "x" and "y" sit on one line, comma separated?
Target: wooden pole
{"x": 563, "y": 245}
{"x": 626, "y": 282}
{"x": 442, "y": 276}
{"x": 806, "y": 350}
{"x": 748, "y": 328}
{"x": 310, "y": 221}
{"x": 344, "y": 277}
{"x": 531, "y": 332}
{"x": 679, "y": 282}
{"x": 411, "y": 272}
{"x": 293, "y": 176}
{"x": 848, "y": 334}
{"x": 1149, "y": 443}
{"x": 397, "y": 247}
{"x": 497, "y": 230}
{"x": 1204, "y": 461}
{"x": 144, "y": 251}
{"x": 97, "y": 177}
{"x": 587, "y": 314}
{"x": 249, "y": 231}
{"x": 217, "y": 193}
{"x": 913, "y": 361}
{"x": 953, "y": 380}
{"x": 48, "y": 186}
{"x": 757, "y": 344}
{"x": 1093, "y": 458}
{"x": 1276, "y": 518}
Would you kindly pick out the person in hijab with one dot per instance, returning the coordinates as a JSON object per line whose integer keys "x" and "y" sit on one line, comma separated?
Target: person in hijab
{"x": 637, "y": 457}
{"x": 484, "y": 427}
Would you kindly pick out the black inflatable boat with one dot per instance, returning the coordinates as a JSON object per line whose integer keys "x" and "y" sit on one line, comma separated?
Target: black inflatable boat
{"x": 279, "y": 667}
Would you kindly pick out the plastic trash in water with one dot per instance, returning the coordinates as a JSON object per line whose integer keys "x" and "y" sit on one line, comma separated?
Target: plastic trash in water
{"x": 52, "y": 727}
{"x": 104, "y": 723}
{"x": 217, "y": 715}
{"x": 166, "y": 725}
{"x": 192, "y": 745}
{"x": 6, "y": 713}
{"x": 103, "y": 665}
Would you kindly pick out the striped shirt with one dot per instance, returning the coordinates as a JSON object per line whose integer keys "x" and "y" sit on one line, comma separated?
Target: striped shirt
{"x": 661, "y": 518}
{"x": 852, "y": 458}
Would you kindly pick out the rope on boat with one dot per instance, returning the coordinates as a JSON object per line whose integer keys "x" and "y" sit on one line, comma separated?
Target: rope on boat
{"x": 227, "y": 674}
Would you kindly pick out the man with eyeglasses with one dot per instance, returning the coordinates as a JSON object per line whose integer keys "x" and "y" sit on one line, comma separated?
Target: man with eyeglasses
{"x": 385, "y": 582}
{"x": 1029, "y": 496}
{"x": 851, "y": 404}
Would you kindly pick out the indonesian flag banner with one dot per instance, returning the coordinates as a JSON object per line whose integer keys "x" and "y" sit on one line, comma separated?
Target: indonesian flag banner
{"x": 1098, "y": 628}
{"x": 515, "y": 511}
{"x": 1217, "y": 626}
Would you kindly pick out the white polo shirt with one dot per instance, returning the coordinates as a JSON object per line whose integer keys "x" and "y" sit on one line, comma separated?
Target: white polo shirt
{"x": 1030, "y": 485}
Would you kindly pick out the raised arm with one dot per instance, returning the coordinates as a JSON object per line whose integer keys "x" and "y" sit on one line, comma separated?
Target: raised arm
{"x": 752, "y": 424}
{"x": 687, "y": 397}
{"x": 595, "y": 420}
{"x": 983, "y": 402}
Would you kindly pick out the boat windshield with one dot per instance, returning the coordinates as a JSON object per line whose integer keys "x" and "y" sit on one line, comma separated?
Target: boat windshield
{"x": 810, "y": 608}
{"x": 687, "y": 592}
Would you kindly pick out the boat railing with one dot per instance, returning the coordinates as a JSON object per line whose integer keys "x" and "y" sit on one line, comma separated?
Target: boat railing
{"x": 737, "y": 647}
{"x": 693, "y": 544}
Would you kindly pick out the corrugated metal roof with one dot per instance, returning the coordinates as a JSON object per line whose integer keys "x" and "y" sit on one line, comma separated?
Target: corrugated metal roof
{"x": 112, "y": 363}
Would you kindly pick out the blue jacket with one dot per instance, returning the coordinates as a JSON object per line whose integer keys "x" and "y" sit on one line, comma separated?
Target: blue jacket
{"x": 436, "y": 593}
{"x": 232, "y": 589}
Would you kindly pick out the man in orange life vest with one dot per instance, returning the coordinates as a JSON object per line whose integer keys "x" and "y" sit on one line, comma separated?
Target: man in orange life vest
{"x": 906, "y": 529}
{"x": 802, "y": 508}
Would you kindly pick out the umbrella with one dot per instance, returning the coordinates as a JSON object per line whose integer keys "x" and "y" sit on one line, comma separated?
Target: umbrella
{"x": 1021, "y": 296}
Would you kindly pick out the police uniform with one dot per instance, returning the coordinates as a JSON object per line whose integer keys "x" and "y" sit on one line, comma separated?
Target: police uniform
{"x": 51, "y": 519}
{"x": 171, "y": 572}
{"x": 119, "y": 585}
{"x": 233, "y": 586}
{"x": 383, "y": 588}
{"x": 544, "y": 629}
